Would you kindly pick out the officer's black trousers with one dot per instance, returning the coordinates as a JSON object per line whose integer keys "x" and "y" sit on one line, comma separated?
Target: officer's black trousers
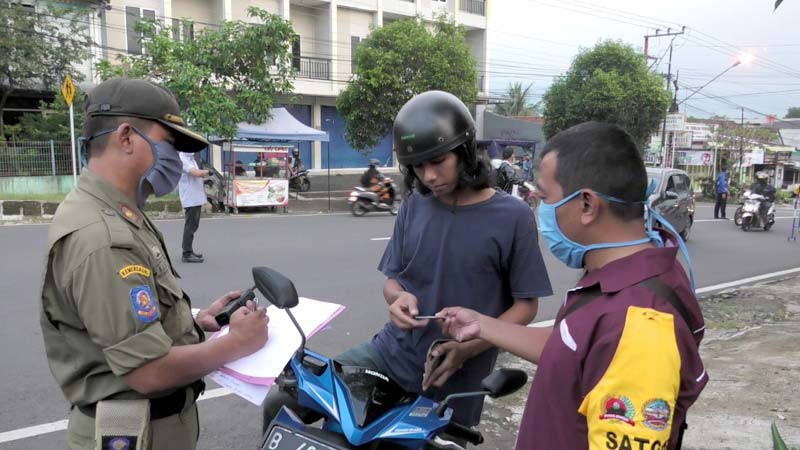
{"x": 720, "y": 205}
{"x": 192, "y": 215}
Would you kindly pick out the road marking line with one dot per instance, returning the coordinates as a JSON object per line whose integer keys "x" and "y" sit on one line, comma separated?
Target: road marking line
{"x": 716, "y": 287}
{"x": 765, "y": 276}
{"x": 37, "y": 430}
{"x": 730, "y": 220}
{"x": 380, "y": 239}
{"x": 60, "y": 425}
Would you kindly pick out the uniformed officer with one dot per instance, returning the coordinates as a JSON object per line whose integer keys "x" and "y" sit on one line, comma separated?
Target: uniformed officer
{"x": 117, "y": 328}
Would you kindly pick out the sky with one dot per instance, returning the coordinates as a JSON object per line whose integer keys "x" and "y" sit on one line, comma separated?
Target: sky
{"x": 531, "y": 41}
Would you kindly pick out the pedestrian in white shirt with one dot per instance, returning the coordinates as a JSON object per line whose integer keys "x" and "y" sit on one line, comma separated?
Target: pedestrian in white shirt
{"x": 193, "y": 196}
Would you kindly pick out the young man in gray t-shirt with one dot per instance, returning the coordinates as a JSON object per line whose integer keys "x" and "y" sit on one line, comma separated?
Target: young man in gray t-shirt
{"x": 456, "y": 242}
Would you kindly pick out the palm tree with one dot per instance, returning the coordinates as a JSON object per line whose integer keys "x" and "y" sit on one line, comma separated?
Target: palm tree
{"x": 515, "y": 102}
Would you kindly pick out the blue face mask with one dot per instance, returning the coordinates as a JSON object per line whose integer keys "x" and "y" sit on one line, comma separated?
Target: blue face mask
{"x": 572, "y": 253}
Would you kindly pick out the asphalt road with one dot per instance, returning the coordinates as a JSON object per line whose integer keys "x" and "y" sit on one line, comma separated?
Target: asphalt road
{"x": 329, "y": 257}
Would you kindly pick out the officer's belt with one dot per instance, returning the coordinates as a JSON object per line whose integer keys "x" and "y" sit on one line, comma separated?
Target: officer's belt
{"x": 163, "y": 406}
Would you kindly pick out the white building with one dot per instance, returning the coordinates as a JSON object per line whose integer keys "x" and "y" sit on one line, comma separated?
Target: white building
{"x": 329, "y": 32}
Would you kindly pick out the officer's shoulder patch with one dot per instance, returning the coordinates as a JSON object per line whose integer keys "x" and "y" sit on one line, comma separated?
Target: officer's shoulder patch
{"x": 134, "y": 269}
{"x": 119, "y": 443}
{"x": 144, "y": 306}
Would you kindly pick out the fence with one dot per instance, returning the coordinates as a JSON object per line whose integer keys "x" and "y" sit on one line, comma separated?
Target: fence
{"x": 474, "y": 6}
{"x": 35, "y": 158}
{"x": 316, "y": 68}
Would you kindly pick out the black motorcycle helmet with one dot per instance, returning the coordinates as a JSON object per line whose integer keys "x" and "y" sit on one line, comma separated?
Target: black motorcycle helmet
{"x": 432, "y": 124}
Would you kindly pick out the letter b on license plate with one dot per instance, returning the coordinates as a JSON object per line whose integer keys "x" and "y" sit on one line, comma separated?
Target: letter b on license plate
{"x": 281, "y": 438}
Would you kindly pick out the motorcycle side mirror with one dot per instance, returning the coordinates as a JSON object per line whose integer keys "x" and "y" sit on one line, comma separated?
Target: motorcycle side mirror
{"x": 670, "y": 195}
{"x": 275, "y": 287}
{"x": 503, "y": 382}
{"x": 499, "y": 383}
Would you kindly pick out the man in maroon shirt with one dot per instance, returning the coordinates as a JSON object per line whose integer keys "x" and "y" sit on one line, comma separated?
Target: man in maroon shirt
{"x": 621, "y": 366}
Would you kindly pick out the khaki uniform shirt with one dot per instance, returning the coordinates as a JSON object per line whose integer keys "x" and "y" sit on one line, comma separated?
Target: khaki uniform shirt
{"x": 111, "y": 300}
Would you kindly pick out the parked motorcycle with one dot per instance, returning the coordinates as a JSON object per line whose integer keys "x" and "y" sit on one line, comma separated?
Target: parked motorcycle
{"x": 750, "y": 215}
{"x": 360, "y": 408}
{"x": 363, "y": 200}
{"x": 214, "y": 187}
{"x": 299, "y": 181}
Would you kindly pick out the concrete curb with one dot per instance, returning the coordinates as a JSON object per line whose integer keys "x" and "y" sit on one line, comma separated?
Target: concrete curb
{"x": 34, "y": 211}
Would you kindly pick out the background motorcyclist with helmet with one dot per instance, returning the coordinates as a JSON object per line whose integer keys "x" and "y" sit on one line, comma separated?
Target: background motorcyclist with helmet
{"x": 372, "y": 179}
{"x": 297, "y": 163}
{"x": 762, "y": 187}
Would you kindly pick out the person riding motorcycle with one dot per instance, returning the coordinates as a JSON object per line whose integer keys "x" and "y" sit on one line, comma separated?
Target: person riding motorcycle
{"x": 762, "y": 187}
{"x": 372, "y": 179}
{"x": 297, "y": 163}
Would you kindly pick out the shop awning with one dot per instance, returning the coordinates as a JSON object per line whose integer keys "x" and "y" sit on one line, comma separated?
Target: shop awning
{"x": 281, "y": 127}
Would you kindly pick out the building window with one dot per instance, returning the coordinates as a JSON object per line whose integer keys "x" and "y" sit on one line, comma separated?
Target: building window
{"x": 132, "y": 16}
{"x": 296, "y": 52}
{"x": 182, "y": 30}
{"x": 354, "y": 42}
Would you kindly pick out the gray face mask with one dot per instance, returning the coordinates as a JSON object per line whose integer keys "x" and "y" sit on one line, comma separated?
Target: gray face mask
{"x": 164, "y": 174}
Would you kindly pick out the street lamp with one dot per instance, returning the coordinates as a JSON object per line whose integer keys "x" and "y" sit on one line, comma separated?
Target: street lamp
{"x": 743, "y": 58}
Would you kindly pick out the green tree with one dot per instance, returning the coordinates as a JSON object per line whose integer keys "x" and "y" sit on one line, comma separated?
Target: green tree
{"x": 52, "y": 121}
{"x": 793, "y": 113}
{"x": 731, "y": 135}
{"x": 39, "y": 48}
{"x": 609, "y": 83}
{"x": 398, "y": 61}
{"x": 221, "y": 77}
{"x": 515, "y": 102}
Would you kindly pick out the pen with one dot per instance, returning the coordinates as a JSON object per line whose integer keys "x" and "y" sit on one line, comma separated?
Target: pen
{"x": 427, "y": 317}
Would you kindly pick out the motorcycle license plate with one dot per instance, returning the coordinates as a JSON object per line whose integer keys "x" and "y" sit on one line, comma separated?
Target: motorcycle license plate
{"x": 281, "y": 438}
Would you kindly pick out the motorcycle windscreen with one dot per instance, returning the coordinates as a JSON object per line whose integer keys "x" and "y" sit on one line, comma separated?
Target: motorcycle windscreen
{"x": 371, "y": 393}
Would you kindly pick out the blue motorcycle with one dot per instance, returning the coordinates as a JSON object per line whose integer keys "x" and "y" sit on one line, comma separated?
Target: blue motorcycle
{"x": 360, "y": 408}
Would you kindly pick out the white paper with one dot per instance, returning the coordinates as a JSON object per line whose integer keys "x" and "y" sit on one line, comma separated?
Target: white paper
{"x": 253, "y": 393}
{"x": 266, "y": 364}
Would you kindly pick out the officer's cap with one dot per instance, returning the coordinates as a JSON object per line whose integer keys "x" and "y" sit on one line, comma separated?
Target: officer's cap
{"x": 146, "y": 100}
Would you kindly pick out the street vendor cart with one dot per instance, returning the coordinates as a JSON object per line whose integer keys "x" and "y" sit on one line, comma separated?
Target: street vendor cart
{"x": 254, "y": 166}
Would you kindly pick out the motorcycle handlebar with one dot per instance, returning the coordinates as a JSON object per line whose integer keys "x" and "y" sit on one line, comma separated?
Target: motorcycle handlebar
{"x": 457, "y": 430}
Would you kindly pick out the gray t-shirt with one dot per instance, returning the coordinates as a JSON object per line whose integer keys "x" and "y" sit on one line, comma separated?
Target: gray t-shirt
{"x": 480, "y": 256}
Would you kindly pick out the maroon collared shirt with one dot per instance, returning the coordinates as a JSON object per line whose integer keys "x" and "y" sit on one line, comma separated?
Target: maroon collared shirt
{"x": 578, "y": 353}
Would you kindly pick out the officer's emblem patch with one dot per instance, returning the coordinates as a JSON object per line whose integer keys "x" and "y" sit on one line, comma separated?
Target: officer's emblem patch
{"x": 128, "y": 212}
{"x": 134, "y": 269}
{"x": 144, "y": 306}
{"x": 119, "y": 443}
{"x": 618, "y": 408}
{"x": 656, "y": 414}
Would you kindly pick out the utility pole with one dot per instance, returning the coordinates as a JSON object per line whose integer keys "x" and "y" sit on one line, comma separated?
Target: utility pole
{"x": 669, "y": 78}
{"x": 741, "y": 150}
